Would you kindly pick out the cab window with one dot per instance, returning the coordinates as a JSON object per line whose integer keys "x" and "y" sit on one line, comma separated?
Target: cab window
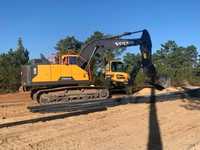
{"x": 117, "y": 67}
{"x": 72, "y": 60}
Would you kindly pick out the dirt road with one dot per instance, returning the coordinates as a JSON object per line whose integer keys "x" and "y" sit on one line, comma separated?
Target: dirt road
{"x": 165, "y": 125}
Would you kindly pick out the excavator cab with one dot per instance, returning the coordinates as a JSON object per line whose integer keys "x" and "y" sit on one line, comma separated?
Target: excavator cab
{"x": 69, "y": 59}
{"x": 115, "y": 73}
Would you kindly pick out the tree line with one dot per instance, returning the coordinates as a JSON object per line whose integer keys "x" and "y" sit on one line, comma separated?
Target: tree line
{"x": 178, "y": 63}
{"x": 10, "y": 67}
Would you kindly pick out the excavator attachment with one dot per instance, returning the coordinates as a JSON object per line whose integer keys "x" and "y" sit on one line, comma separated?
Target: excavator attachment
{"x": 146, "y": 62}
{"x": 145, "y": 44}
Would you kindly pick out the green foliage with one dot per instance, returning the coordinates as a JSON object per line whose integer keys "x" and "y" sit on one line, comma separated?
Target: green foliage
{"x": 139, "y": 80}
{"x": 70, "y": 42}
{"x": 180, "y": 64}
{"x": 10, "y": 67}
{"x": 95, "y": 36}
{"x": 197, "y": 70}
{"x": 131, "y": 60}
{"x": 176, "y": 62}
{"x": 21, "y": 53}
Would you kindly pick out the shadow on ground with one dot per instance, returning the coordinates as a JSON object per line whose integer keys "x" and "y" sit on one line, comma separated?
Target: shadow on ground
{"x": 154, "y": 140}
{"x": 193, "y": 99}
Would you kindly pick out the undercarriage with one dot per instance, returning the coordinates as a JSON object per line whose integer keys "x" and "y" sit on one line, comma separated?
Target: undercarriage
{"x": 69, "y": 94}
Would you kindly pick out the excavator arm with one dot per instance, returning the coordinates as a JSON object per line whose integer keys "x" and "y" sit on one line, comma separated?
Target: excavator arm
{"x": 114, "y": 42}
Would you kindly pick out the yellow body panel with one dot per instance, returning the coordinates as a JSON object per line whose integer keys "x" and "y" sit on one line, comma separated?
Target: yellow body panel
{"x": 54, "y": 72}
{"x": 118, "y": 76}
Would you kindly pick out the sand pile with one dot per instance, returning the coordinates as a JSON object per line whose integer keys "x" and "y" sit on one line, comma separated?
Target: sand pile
{"x": 147, "y": 91}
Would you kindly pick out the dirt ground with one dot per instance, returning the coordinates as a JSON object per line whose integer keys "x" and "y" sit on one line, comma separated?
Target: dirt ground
{"x": 171, "y": 125}
{"x": 14, "y": 105}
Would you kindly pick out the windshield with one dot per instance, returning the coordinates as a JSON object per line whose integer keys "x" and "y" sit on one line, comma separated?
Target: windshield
{"x": 117, "y": 67}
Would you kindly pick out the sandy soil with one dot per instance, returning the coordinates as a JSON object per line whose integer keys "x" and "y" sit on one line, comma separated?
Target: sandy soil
{"x": 14, "y": 105}
{"x": 164, "y": 125}
{"x": 15, "y": 97}
{"x": 147, "y": 91}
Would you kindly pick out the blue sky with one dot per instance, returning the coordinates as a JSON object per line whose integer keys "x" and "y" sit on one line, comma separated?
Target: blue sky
{"x": 41, "y": 23}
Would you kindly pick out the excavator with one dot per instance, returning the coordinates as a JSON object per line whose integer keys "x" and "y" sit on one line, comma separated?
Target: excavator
{"x": 71, "y": 80}
{"x": 115, "y": 76}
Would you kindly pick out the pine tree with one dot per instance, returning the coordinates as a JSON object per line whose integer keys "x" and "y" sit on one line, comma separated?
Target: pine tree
{"x": 22, "y": 53}
{"x": 70, "y": 42}
{"x": 10, "y": 67}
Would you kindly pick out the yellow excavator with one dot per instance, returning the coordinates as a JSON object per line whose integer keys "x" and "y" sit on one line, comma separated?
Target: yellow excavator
{"x": 115, "y": 73}
{"x": 71, "y": 79}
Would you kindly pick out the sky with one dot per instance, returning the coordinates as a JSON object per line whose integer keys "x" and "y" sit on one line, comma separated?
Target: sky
{"x": 42, "y": 23}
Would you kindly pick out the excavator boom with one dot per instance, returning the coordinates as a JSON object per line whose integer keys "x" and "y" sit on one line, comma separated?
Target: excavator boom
{"x": 110, "y": 43}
